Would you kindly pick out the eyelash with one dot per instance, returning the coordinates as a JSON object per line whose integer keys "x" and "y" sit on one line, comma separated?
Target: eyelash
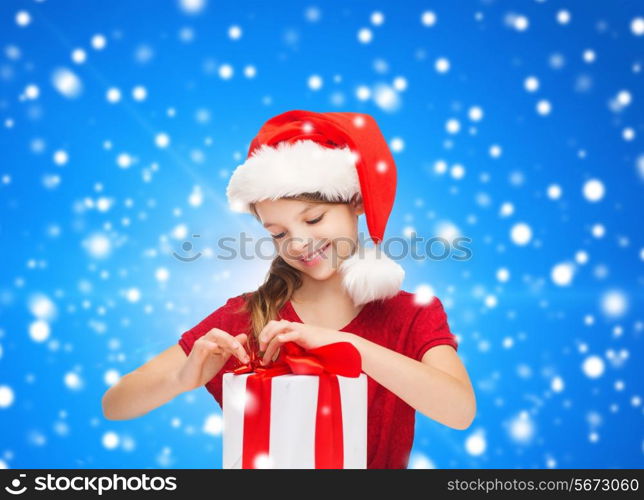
{"x": 311, "y": 222}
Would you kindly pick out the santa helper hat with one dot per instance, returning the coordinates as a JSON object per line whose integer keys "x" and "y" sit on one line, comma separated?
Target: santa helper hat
{"x": 339, "y": 155}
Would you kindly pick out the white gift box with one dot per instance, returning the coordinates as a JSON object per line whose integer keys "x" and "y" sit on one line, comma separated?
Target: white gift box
{"x": 293, "y": 419}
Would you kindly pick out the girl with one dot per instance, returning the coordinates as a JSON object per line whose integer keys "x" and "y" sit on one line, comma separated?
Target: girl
{"x": 307, "y": 178}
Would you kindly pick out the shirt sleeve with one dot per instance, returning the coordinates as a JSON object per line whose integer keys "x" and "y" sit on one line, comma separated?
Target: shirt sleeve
{"x": 430, "y": 328}
{"x": 220, "y": 318}
{"x": 215, "y": 319}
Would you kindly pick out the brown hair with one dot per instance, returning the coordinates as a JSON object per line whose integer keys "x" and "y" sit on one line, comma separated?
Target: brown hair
{"x": 281, "y": 280}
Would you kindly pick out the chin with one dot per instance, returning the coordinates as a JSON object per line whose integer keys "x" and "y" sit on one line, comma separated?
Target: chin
{"x": 319, "y": 273}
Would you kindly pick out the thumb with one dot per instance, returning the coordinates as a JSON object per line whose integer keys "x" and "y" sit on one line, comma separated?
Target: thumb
{"x": 241, "y": 338}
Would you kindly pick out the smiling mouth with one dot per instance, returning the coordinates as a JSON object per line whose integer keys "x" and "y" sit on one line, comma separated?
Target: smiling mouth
{"x": 316, "y": 254}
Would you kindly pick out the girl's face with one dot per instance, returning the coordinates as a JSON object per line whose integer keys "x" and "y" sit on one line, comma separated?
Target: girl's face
{"x": 309, "y": 236}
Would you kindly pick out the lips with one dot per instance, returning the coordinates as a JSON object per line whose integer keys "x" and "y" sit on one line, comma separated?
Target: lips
{"x": 316, "y": 254}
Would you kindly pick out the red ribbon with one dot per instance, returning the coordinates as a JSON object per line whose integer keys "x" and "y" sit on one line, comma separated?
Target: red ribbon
{"x": 328, "y": 361}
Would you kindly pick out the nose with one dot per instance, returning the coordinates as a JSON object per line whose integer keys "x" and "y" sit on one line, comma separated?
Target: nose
{"x": 300, "y": 244}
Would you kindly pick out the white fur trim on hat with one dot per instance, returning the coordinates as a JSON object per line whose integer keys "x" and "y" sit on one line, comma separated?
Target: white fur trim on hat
{"x": 368, "y": 276}
{"x": 291, "y": 169}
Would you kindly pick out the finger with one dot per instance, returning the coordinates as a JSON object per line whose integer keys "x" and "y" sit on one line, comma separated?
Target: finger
{"x": 218, "y": 336}
{"x": 214, "y": 332}
{"x": 242, "y": 338}
{"x": 209, "y": 347}
{"x": 267, "y": 333}
{"x": 232, "y": 345}
{"x": 217, "y": 333}
{"x": 240, "y": 351}
{"x": 269, "y": 348}
{"x": 291, "y": 336}
{"x": 275, "y": 343}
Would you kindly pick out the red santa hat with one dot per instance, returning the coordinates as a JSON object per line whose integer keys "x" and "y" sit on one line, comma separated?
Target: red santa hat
{"x": 338, "y": 155}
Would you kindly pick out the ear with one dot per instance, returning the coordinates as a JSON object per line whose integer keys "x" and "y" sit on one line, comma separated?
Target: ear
{"x": 358, "y": 205}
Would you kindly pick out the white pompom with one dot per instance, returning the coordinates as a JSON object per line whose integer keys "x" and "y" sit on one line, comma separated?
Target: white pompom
{"x": 369, "y": 274}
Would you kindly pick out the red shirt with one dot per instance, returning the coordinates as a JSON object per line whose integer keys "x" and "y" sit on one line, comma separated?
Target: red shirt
{"x": 397, "y": 323}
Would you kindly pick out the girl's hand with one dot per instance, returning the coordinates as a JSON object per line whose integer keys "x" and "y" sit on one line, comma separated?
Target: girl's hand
{"x": 276, "y": 333}
{"x": 209, "y": 355}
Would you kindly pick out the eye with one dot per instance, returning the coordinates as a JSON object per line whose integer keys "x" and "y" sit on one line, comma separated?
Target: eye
{"x": 311, "y": 222}
{"x": 315, "y": 221}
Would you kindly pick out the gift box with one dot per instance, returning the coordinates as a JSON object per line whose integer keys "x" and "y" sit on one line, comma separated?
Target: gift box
{"x": 307, "y": 410}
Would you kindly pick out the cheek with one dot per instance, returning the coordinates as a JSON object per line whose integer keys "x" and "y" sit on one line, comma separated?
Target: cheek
{"x": 344, "y": 247}
{"x": 345, "y": 242}
{"x": 344, "y": 239}
{"x": 279, "y": 248}
{"x": 340, "y": 226}
{"x": 283, "y": 250}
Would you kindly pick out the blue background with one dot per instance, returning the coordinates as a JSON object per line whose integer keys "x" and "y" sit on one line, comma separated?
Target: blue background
{"x": 89, "y": 286}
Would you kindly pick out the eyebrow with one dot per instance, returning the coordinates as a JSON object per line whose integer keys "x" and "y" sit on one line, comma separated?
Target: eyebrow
{"x": 309, "y": 205}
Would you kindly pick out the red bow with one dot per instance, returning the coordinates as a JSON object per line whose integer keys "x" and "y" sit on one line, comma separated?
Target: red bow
{"x": 328, "y": 361}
